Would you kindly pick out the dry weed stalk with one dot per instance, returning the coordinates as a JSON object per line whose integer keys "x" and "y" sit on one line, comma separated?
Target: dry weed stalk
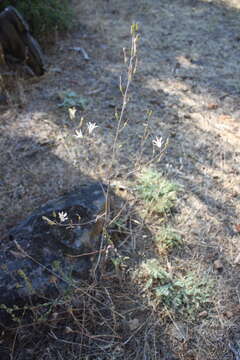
{"x": 131, "y": 70}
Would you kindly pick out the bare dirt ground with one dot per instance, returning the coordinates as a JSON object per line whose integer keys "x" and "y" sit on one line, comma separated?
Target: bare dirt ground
{"x": 188, "y": 75}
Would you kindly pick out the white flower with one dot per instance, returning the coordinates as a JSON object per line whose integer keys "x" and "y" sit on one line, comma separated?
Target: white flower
{"x": 62, "y": 216}
{"x": 158, "y": 142}
{"x": 72, "y": 113}
{"x": 91, "y": 127}
{"x": 78, "y": 134}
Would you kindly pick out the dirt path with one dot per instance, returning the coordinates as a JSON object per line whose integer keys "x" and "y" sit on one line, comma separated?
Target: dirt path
{"x": 188, "y": 75}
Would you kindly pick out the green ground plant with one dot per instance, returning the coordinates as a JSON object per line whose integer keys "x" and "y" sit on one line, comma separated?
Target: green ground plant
{"x": 71, "y": 99}
{"x": 182, "y": 295}
{"x": 167, "y": 239}
{"x": 157, "y": 192}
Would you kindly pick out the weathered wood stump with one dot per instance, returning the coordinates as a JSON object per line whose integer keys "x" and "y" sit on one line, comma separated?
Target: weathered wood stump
{"x": 17, "y": 42}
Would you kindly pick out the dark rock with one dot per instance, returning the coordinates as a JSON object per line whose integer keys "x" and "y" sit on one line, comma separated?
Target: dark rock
{"x": 45, "y": 255}
{"x": 17, "y": 43}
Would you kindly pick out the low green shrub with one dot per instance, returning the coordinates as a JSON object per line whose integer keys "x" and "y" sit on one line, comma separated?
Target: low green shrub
{"x": 185, "y": 295}
{"x": 157, "y": 191}
{"x": 167, "y": 239}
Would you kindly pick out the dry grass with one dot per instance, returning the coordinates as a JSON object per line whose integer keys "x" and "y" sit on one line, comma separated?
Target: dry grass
{"x": 188, "y": 77}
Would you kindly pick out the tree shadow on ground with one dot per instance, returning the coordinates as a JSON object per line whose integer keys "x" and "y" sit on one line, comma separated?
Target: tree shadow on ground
{"x": 97, "y": 319}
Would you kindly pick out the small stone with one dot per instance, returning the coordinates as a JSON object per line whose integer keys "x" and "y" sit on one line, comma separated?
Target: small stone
{"x": 179, "y": 331}
{"x": 237, "y": 259}
{"x": 228, "y": 314}
{"x": 237, "y": 227}
{"x": 133, "y": 324}
{"x": 54, "y": 315}
{"x": 237, "y": 309}
{"x": 217, "y": 265}
{"x": 68, "y": 330}
{"x": 212, "y": 106}
{"x": 203, "y": 314}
